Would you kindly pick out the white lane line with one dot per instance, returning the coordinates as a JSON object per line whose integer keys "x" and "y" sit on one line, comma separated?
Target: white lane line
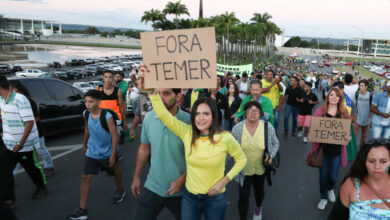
{"x": 72, "y": 148}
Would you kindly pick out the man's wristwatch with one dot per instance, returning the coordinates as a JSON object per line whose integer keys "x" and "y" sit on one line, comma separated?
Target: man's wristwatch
{"x": 20, "y": 145}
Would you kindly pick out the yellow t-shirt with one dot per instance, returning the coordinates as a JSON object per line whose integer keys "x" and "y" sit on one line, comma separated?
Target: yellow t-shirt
{"x": 253, "y": 148}
{"x": 272, "y": 94}
{"x": 206, "y": 163}
{"x": 194, "y": 97}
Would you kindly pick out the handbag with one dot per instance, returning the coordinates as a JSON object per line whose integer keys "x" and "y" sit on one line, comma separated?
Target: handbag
{"x": 315, "y": 159}
{"x": 274, "y": 165}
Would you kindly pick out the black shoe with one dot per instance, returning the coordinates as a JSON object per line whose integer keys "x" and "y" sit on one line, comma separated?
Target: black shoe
{"x": 80, "y": 214}
{"x": 40, "y": 192}
{"x": 119, "y": 195}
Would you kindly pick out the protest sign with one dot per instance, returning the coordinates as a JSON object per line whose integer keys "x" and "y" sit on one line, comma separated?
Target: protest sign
{"x": 330, "y": 130}
{"x": 180, "y": 58}
{"x": 221, "y": 69}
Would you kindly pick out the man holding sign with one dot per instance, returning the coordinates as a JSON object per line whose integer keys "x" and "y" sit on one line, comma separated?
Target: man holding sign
{"x": 330, "y": 133}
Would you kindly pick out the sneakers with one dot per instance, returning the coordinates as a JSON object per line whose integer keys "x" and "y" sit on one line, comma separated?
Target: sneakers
{"x": 322, "y": 204}
{"x": 300, "y": 133}
{"x": 257, "y": 213}
{"x": 40, "y": 192}
{"x": 331, "y": 196}
{"x": 49, "y": 172}
{"x": 119, "y": 195}
{"x": 305, "y": 139}
{"x": 79, "y": 214}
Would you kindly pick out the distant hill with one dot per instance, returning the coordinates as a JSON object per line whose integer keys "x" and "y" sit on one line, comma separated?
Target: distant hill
{"x": 335, "y": 41}
{"x": 66, "y": 27}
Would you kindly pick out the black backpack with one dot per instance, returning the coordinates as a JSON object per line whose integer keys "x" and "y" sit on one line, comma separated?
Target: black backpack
{"x": 103, "y": 121}
{"x": 357, "y": 97}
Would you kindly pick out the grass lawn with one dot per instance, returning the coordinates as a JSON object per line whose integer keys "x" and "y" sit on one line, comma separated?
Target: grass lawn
{"x": 353, "y": 59}
{"x": 363, "y": 72}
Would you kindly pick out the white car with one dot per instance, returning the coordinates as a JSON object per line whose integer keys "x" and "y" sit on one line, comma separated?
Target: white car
{"x": 367, "y": 66}
{"x": 314, "y": 61}
{"x": 335, "y": 71}
{"x": 83, "y": 86}
{"x": 116, "y": 68}
{"x": 30, "y": 73}
{"x": 387, "y": 76}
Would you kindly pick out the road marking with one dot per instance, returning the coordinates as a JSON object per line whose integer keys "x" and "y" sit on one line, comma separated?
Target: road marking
{"x": 71, "y": 148}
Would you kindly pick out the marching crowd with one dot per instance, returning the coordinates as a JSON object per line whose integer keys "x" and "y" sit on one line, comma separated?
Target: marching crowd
{"x": 196, "y": 141}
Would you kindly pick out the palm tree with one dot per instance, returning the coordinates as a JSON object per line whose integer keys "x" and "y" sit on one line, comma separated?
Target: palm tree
{"x": 261, "y": 18}
{"x": 152, "y": 16}
{"x": 228, "y": 19}
{"x": 177, "y": 9}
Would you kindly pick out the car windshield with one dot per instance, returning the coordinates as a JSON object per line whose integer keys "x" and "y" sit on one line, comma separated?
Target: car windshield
{"x": 83, "y": 85}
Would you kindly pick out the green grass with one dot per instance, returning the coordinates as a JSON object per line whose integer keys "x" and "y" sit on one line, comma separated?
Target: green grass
{"x": 353, "y": 59}
{"x": 90, "y": 44}
{"x": 363, "y": 72}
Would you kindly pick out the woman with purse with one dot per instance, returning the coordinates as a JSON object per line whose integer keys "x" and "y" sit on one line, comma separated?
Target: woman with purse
{"x": 365, "y": 193}
{"x": 333, "y": 155}
{"x": 250, "y": 134}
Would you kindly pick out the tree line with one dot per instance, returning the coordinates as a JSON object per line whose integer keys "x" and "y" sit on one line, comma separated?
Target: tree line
{"x": 238, "y": 42}
{"x": 298, "y": 42}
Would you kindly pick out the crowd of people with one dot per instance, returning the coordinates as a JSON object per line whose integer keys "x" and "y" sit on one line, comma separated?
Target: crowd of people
{"x": 196, "y": 141}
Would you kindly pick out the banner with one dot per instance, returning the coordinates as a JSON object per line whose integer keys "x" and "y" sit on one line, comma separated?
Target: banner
{"x": 330, "y": 130}
{"x": 180, "y": 58}
{"x": 221, "y": 69}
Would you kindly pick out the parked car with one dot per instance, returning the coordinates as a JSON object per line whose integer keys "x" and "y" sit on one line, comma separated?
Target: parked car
{"x": 326, "y": 63}
{"x": 89, "y": 71}
{"x": 5, "y": 69}
{"x": 80, "y": 71}
{"x": 314, "y": 61}
{"x": 89, "y": 61}
{"x": 83, "y": 86}
{"x": 387, "y": 76}
{"x": 94, "y": 84}
{"x": 100, "y": 70}
{"x": 348, "y": 64}
{"x": 61, "y": 105}
{"x": 335, "y": 71}
{"x": 63, "y": 74}
{"x": 16, "y": 68}
{"x": 49, "y": 76}
{"x": 73, "y": 74}
{"x": 74, "y": 62}
{"x": 55, "y": 65}
{"x": 29, "y": 73}
{"x": 321, "y": 65}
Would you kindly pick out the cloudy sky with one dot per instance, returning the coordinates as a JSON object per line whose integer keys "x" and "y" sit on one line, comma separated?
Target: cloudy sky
{"x": 331, "y": 18}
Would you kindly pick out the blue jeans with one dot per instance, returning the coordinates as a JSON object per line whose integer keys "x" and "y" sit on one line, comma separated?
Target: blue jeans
{"x": 228, "y": 124}
{"x": 328, "y": 174}
{"x": 380, "y": 131}
{"x": 193, "y": 206}
{"x": 44, "y": 154}
{"x": 276, "y": 120}
{"x": 288, "y": 109}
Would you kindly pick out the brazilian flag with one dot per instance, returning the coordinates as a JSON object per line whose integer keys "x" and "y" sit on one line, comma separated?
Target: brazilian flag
{"x": 352, "y": 147}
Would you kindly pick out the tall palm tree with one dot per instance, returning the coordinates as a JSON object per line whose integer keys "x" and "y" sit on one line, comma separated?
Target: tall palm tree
{"x": 177, "y": 9}
{"x": 152, "y": 16}
{"x": 200, "y": 9}
{"x": 228, "y": 19}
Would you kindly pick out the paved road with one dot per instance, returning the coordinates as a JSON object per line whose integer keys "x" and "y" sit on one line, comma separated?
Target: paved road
{"x": 294, "y": 195}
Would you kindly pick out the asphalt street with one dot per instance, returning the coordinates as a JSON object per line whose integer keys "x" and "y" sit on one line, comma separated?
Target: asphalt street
{"x": 294, "y": 195}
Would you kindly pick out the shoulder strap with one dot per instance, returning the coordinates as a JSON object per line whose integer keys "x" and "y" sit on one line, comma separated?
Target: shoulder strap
{"x": 266, "y": 136}
{"x": 103, "y": 120}
{"x": 377, "y": 194}
{"x": 86, "y": 116}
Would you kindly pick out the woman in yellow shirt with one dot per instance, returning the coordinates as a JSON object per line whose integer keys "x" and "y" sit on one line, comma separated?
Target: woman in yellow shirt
{"x": 206, "y": 147}
{"x": 251, "y": 135}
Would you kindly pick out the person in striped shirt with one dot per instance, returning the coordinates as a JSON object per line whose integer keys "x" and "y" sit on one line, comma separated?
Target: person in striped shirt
{"x": 20, "y": 136}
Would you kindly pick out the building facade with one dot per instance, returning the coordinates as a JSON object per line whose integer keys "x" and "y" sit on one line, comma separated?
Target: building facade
{"x": 376, "y": 47}
{"x": 20, "y": 26}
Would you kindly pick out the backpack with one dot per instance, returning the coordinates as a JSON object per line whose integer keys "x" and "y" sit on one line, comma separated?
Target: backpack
{"x": 357, "y": 97}
{"x": 103, "y": 121}
{"x": 274, "y": 166}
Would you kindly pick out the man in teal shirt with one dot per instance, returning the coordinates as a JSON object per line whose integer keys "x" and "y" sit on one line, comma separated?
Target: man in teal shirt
{"x": 123, "y": 86}
{"x": 167, "y": 173}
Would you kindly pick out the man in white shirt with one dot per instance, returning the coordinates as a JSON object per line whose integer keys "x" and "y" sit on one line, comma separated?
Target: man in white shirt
{"x": 351, "y": 89}
{"x": 311, "y": 78}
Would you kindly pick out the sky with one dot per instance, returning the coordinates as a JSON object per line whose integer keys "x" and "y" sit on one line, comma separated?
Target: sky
{"x": 310, "y": 18}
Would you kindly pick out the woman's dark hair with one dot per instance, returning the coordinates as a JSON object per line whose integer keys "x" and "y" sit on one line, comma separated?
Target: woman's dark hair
{"x": 236, "y": 92}
{"x": 214, "y": 128}
{"x": 19, "y": 86}
{"x": 221, "y": 78}
{"x": 358, "y": 168}
{"x": 249, "y": 105}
